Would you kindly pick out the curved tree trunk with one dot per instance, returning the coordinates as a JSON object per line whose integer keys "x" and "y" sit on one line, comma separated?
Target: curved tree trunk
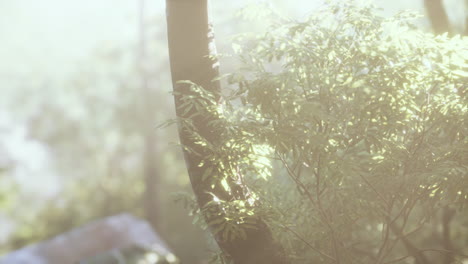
{"x": 437, "y": 16}
{"x": 191, "y": 42}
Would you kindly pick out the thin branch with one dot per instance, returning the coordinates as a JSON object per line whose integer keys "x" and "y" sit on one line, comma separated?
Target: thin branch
{"x": 308, "y": 244}
{"x": 375, "y": 190}
{"x": 322, "y": 211}
{"x": 300, "y": 184}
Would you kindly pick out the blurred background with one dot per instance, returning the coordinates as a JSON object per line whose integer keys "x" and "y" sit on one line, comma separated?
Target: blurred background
{"x": 83, "y": 88}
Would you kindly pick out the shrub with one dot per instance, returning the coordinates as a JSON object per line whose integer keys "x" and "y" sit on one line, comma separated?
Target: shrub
{"x": 360, "y": 123}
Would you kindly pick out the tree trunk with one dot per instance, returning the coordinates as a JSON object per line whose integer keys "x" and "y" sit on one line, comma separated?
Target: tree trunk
{"x": 437, "y": 16}
{"x": 191, "y": 42}
{"x": 150, "y": 170}
{"x": 465, "y": 32}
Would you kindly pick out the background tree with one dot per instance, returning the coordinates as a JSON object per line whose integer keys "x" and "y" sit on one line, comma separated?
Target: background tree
{"x": 151, "y": 198}
{"x": 437, "y": 16}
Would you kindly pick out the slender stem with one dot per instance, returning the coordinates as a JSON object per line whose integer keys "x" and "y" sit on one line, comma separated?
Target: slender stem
{"x": 308, "y": 244}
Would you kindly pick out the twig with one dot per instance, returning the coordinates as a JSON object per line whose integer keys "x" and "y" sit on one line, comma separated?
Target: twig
{"x": 308, "y": 244}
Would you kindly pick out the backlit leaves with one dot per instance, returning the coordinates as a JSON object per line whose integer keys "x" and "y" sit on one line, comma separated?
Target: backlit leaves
{"x": 338, "y": 124}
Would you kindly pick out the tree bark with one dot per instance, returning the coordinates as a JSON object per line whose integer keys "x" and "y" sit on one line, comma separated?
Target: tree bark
{"x": 465, "y": 32}
{"x": 150, "y": 169}
{"x": 437, "y": 16}
{"x": 191, "y": 44}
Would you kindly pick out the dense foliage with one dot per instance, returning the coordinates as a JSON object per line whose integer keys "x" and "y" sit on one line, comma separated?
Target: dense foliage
{"x": 350, "y": 129}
